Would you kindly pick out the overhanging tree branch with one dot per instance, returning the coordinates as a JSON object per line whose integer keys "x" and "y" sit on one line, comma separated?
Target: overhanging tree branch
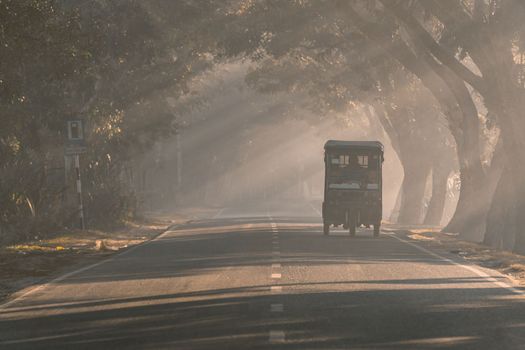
{"x": 419, "y": 33}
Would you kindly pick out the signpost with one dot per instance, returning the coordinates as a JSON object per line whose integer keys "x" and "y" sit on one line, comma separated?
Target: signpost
{"x": 74, "y": 147}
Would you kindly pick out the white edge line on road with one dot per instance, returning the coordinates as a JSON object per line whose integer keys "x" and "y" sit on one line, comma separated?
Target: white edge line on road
{"x": 315, "y": 209}
{"x": 60, "y": 278}
{"x": 470, "y": 268}
{"x": 277, "y": 337}
{"x": 218, "y": 213}
{"x": 276, "y": 307}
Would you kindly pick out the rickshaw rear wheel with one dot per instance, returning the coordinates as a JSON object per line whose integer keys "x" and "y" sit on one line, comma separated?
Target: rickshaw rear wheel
{"x": 326, "y": 229}
{"x": 352, "y": 224}
{"x": 377, "y": 230}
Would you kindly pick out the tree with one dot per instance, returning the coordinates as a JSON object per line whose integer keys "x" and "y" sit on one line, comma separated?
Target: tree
{"x": 326, "y": 55}
{"x": 94, "y": 60}
{"x": 490, "y": 36}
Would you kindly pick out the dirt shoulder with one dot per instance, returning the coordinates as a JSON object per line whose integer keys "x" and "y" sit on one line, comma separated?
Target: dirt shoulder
{"x": 508, "y": 263}
{"x": 37, "y": 261}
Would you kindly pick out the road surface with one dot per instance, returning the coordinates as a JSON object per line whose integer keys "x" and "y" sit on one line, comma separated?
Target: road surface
{"x": 263, "y": 279}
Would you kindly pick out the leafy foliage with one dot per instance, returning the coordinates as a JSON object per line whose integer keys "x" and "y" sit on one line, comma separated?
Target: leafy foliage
{"x": 419, "y": 65}
{"x": 107, "y": 62}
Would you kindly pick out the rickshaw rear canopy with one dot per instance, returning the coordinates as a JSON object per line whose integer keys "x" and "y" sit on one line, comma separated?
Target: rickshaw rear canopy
{"x": 336, "y": 144}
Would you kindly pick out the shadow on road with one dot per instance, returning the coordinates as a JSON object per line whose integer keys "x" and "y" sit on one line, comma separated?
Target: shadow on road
{"x": 411, "y": 313}
{"x": 401, "y": 319}
{"x": 207, "y": 246}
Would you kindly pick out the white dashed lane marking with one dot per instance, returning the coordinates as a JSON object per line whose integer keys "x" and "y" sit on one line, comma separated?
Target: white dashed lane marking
{"x": 277, "y": 337}
{"x": 276, "y": 289}
{"x": 276, "y": 308}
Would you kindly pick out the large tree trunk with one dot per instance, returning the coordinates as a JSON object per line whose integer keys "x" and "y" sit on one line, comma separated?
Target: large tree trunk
{"x": 519, "y": 244}
{"x": 413, "y": 190}
{"x": 500, "y": 229}
{"x": 439, "y": 194}
{"x": 506, "y": 219}
{"x": 472, "y": 205}
{"x": 499, "y": 187}
{"x": 394, "y": 215}
{"x": 512, "y": 219}
{"x": 469, "y": 209}
{"x": 507, "y": 99}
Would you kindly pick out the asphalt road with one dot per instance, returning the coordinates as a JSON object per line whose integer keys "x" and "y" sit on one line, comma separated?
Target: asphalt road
{"x": 257, "y": 279}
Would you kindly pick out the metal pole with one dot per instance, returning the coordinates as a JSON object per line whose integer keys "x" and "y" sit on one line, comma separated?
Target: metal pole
{"x": 66, "y": 178}
{"x": 79, "y": 193}
{"x": 179, "y": 161}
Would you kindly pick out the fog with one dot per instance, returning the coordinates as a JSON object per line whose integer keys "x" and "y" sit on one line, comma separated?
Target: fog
{"x": 228, "y": 104}
{"x": 260, "y": 173}
{"x": 240, "y": 147}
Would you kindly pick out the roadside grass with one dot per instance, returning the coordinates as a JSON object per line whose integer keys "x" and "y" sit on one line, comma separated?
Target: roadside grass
{"x": 508, "y": 263}
{"x": 24, "y": 264}
{"x": 31, "y": 262}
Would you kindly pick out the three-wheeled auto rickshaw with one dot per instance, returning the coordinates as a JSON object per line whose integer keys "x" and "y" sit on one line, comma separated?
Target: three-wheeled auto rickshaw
{"x": 352, "y": 187}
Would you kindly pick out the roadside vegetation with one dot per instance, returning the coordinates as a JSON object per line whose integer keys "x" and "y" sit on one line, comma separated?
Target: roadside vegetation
{"x": 443, "y": 82}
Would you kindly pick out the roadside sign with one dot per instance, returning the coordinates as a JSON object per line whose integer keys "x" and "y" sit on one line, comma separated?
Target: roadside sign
{"x": 75, "y": 130}
{"x": 71, "y": 150}
{"x": 74, "y": 147}
{"x": 75, "y": 143}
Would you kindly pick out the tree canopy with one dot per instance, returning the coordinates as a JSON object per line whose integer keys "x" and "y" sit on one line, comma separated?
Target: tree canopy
{"x": 445, "y": 77}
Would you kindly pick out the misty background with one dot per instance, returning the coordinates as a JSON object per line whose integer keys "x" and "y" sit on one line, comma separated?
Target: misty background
{"x": 241, "y": 147}
{"x": 217, "y": 104}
